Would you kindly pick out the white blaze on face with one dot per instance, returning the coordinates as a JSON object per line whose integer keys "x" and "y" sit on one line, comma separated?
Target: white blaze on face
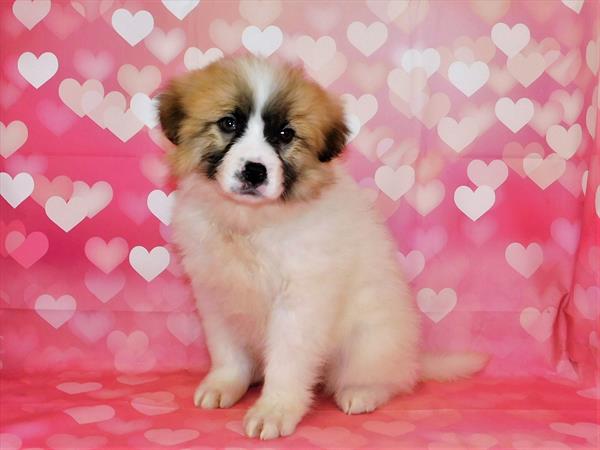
{"x": 252, "y": 146}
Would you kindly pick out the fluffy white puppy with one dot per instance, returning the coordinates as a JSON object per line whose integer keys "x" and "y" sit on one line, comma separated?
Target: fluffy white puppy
{"x": 295, "y": 278}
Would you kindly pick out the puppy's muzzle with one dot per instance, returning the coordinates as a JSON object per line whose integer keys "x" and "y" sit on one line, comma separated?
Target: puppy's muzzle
{"x": 253, "y": 175}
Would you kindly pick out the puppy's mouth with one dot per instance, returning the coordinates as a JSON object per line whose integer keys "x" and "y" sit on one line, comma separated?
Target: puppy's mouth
{"x": 247, "y": 194}
{"x": 248, "y": 190}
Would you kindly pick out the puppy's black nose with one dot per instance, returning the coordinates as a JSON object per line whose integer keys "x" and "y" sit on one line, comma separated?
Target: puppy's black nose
{"x": 254, "y": 173}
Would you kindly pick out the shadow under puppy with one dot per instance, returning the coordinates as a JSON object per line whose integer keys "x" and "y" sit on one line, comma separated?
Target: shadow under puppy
{"x": 295, "y": 278}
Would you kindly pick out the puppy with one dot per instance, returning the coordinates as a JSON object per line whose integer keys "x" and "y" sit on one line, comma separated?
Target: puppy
{"x": 295, "y": 278}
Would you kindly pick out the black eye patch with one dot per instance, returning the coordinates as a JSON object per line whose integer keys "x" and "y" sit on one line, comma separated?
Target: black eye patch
{"x": 277, "y": 132}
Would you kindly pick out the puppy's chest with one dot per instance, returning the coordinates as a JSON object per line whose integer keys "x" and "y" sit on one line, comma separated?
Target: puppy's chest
{"x": 250, "y": 264}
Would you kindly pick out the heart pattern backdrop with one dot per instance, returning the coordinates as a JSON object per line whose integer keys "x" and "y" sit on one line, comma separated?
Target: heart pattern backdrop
{"x": 474, "y": 134}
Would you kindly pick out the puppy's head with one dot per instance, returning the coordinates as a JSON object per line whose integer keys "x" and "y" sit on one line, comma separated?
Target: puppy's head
{"x": 260, "y": 132}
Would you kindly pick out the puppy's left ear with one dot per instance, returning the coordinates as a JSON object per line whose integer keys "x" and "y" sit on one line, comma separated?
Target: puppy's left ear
{"x": 335, "y": 139}
{"x": 171, "y": 113}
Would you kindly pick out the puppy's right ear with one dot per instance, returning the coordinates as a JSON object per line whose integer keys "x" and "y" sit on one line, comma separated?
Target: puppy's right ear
{"x": 171, "y": 113}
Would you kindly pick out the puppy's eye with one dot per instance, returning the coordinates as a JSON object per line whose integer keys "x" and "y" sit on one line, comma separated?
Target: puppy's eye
{"x": 286, "y": 135}
{"x": 228, "y": 124}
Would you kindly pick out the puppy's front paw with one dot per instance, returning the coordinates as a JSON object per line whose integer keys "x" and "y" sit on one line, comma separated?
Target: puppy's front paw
{"x": 270, "y": 419}
{"x": 219, "y": 390}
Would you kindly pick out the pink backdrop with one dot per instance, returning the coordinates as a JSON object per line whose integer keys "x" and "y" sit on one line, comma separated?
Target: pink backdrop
{"x": 474, "y": 132}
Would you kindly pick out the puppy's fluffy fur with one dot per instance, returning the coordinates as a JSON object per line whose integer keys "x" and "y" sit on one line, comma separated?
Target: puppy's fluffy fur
{"x": 295, "y": 278}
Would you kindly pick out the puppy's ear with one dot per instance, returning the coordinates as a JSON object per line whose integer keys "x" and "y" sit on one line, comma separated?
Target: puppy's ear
{"x": 171, "y": 113}
{"x": 335, "y": 140}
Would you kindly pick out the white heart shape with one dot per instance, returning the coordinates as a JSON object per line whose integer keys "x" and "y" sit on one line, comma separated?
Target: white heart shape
{"x": 66, "y": 214}
{"x": 395, "y": 183}
{"x": 165, "y": 45}
{"x": 511, "y": 40}
{"x": 55, "y": 311}
{"x": 412, "y": 264}
{"x": 194, "y": 58}
{"x": 12, "y": 137}
{"x": 574, "y": 5}
{"x": 37, "y": 71}
{"x": 31, "y": 12}
{"x": 16, "y": 190}
{"x": 428, "y": 59}
{"x": 149, "y": 264}
{"x": 436, "y": 306}
{"x": 526, "y": 261}
{"x": 515, "y": 115}
{"x": 367, "y": 39}
{"x": 364, "y": 107}
{"x": 132, "y": 28}
{"x": 316, "y": 54}
{"x": 424, "y": 198}
{"x": 262, "y": 42}
{"x": 476, "y": 203}
{"x": 161, "y": 205}
{"x": 123, "y": 124}
{"x": 180, "y": 8}
{"x": 493, "y": 174}
{"x": 538, "y": 323}
{"x": 145, "y": 109}
{"x": 458, "y": 135}
{"x": 90, "y": 414}
{"x": 468, "y": 78}
{"x": 564, "y": 142}
{"x": 185, "y": 327}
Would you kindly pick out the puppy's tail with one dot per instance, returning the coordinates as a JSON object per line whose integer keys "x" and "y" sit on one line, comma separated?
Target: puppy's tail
{"x": 451, "y": 366}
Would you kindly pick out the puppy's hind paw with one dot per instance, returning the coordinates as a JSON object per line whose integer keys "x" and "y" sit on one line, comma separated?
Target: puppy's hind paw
{"x": 360, "y": 399}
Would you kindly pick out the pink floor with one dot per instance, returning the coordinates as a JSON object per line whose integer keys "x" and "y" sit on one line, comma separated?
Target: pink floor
{"x": 497, "y": 224}
{"x": 88, "y": 410}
